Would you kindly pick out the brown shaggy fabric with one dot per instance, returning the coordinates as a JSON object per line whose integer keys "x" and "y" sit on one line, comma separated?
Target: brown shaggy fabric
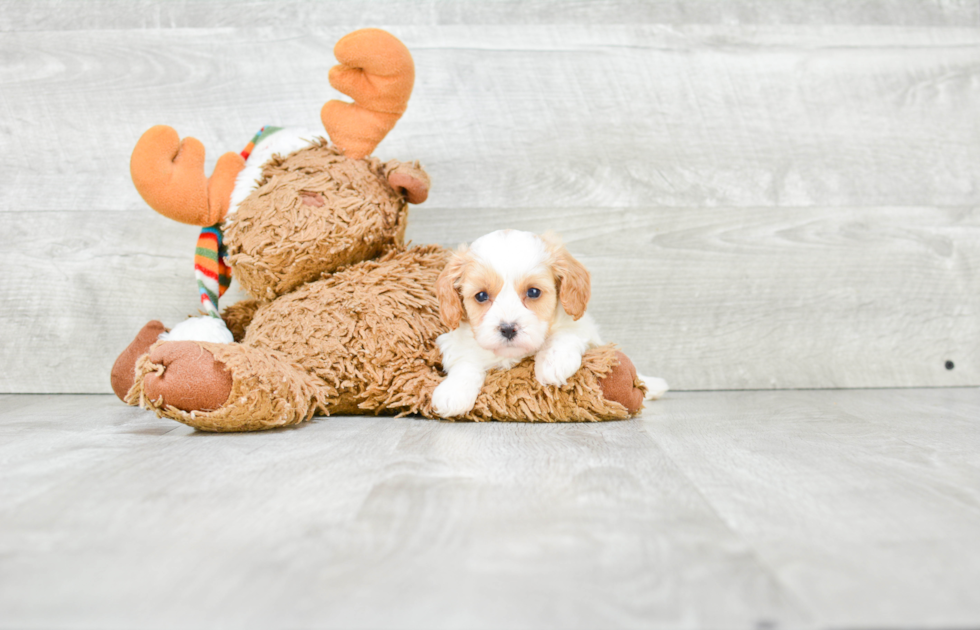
{"x": 367, "y": 331}
{"x": 239, "y": 315}
{"x": 268, "y": 391}
{"x": 278, "y": 240}
{"x": 514, "y": 395}
{"x": 362, "y": 340}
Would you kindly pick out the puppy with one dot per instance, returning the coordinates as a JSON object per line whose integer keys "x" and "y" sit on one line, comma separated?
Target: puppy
{"x": 510, "y": 295}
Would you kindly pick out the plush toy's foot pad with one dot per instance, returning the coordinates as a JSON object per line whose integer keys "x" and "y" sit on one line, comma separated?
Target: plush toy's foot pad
{"x": 192, "y": 379}
{"x": 124, "y": 369}
{"x": 619, "y": 385}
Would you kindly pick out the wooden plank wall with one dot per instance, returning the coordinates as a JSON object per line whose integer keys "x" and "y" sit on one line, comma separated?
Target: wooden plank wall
{"x": 770, "y": 194}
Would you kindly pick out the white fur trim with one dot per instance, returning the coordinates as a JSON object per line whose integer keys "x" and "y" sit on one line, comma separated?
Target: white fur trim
{"x": 205, "y": 328}
{"x": 656, "y": 387}
{"x": 283, "y": 142}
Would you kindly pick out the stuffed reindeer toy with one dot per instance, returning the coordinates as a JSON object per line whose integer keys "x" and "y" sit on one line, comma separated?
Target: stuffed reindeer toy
{"x": 343, "y": 317}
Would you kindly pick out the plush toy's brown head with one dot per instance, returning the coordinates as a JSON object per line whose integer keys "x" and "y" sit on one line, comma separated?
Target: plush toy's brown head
{"x": 316, "y": 210}
{"x": 313, "y": 212}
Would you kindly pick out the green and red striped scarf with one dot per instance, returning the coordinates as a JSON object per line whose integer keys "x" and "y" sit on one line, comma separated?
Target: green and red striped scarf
{"x": 210, "y": 265}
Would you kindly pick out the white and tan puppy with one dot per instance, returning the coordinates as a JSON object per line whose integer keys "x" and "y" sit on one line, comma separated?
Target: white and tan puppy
{"x": 510, "y": 295}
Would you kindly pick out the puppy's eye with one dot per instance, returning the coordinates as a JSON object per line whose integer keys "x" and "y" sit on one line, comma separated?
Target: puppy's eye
{"x": 533, "y": 293}
{"x": 481, "y": 296}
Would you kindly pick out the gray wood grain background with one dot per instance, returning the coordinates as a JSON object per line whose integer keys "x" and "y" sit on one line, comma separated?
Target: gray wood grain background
{"x": 770, "y": 194}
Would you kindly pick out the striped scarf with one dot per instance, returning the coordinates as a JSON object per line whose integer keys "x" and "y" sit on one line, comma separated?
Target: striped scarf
{"x": 210, "y": 265}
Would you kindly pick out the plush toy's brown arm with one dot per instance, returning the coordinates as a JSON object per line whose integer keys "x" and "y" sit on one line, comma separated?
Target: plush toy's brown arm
{"x": 605, "y": 388}
{"x": 622, "y": 385}
{"x": 239, "y": 315}
{"x": 169, "y": 175}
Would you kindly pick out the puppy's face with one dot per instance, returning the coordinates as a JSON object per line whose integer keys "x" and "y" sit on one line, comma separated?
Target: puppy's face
{"x": 508, "y": 286}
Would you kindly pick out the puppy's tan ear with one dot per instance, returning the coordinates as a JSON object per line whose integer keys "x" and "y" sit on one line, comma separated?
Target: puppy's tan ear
{"x": 450, "y": 302}
{"x": 574, "y": 282}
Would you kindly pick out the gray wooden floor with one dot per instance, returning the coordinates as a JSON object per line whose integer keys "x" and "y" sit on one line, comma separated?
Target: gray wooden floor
{"x": 723, "y": 509}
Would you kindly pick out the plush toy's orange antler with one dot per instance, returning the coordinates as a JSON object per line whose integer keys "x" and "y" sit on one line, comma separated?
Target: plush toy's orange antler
{"x": 169, "y": 175}
{"x": 376, "y": 70}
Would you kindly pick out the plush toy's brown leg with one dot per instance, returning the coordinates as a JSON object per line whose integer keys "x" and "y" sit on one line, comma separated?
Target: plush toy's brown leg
{"x": 225, "y": 387}
{"x": 124, "y": 369}
{"x": 622, "y": 385}
{"x": 605, "y": 388}
{"x": 191, "y": 378}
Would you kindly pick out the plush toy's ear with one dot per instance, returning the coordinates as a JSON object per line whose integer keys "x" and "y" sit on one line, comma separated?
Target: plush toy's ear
{"x": 377, "y": 71}
{"x": 574, "y": 282}
{"x": 169, "y": 175}
{"x": 409, "y": 180}
{"x": 451, "y": 310}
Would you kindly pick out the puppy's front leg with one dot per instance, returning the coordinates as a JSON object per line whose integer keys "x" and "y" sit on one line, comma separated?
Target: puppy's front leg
{"x": 559, "y": 358}
{"x": 457, "y": 393}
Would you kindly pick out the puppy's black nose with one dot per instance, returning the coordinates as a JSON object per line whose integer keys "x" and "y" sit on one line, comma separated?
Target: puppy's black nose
{"x": 508, "y": 331}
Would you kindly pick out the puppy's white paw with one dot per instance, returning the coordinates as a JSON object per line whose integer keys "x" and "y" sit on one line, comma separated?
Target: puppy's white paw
{"x": 555, "y": 366}
{"x": 656, "y": 387}
{"x": 449, "y": 399}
